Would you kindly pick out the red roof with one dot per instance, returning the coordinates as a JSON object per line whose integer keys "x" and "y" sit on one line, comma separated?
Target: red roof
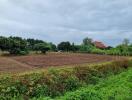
{"x": 99, "y": 45}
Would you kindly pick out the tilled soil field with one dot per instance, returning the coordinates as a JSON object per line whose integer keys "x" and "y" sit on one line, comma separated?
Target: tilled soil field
{"x": 25, "y": 63}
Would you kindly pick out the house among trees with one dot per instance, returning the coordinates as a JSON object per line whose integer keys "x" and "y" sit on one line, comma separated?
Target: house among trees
{"x": 99, "y": 45}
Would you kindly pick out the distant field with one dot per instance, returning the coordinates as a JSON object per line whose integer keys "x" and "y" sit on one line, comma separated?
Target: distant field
{"x": 24, "y": 63}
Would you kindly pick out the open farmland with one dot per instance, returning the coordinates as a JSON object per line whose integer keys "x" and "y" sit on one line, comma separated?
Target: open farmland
{"x": 26, "y": 63}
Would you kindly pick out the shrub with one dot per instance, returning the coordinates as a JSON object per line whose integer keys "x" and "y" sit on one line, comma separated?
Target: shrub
{"x": 97, "y": 51}
{"x": 43, "y": 47}
{"x": 87, "y": 74}
{"x": 56, "y": 82}
{"x": 24, "y": 52}
{"x": 115, "y": 87}
{"x": 85, "y": 48}
{"x": 72, "y": 83}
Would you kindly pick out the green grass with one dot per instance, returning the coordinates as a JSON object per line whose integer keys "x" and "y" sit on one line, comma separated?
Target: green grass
{"x": 115, "y": 87}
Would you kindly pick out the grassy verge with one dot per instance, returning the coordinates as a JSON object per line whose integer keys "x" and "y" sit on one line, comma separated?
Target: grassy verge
{"x": 56, "y": 82}
{"x": 117, "y": 87}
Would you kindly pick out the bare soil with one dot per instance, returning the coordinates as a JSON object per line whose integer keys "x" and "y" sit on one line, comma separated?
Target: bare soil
{"x": 25, "y": 63}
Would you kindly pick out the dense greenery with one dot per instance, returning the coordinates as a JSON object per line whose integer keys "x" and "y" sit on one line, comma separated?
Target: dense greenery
{"x": 56, "y": 82}
{"x": 19, "y": 46}
{"x": 67, "y": 46}
{"x": 43, "y": 47}
{"x": 125, "y": 48}
{"x": 119, "y": 50}
{"x": 64, "y": 46}
{"x": 87, "y": 41}
{"x": 117, "y": 87}
{"x": 14, "y": 45}
{"x": 86, "y": 46}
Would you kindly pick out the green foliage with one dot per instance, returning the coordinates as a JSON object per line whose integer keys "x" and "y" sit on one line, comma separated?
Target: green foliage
{"x": 97, "y": 51}
{"x": 126, "y": 42}
{"x": 19, "y": 46}
{"x": 56, "y": 82}
{"x": 14, "y": 45}
{"x": 64, "y": 46}
{"x": 74, "y": 47}
{"x": 85, "y": 48}
{"x": 114, "y": 88}
{"x": 32, "y": 42}
{"x": 87, "y": 74}
{"x": 24, "y": 52}
{"x": 53, "y": 47}
{"x": 72, "y": 83}
{"x": 123, "y": 49}
{"x": 120, "y": 50}
{"x": 87, "y": 41}
{"x": 43, "y": 47}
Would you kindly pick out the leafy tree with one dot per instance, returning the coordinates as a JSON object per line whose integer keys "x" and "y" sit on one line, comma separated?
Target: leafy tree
{"x": 87, "y": 41}
{"x": 53, "y": 47}
{"x": 86, "y": 48}
{"x": 74, "y": 47}
{"x": 4, "y": 43}
{"x": 109, "y": 47}
{"x": 126, "y": 42}
{"x": 14, "y": 45}
{"x": 17, "y": 45}
{"x": 32, "y": 42}
{"x": 41, "y": 47}
{"x": 64, "y": 46}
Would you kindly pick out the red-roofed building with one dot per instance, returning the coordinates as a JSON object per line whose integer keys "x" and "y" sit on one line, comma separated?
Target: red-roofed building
{"x": 100, "y": 45}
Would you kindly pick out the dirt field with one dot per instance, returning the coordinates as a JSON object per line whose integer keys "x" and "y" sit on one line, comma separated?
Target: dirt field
{"x": 25, "y": 63}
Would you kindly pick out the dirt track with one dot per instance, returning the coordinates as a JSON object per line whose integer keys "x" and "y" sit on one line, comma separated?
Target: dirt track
{"x": 25, "y": 63}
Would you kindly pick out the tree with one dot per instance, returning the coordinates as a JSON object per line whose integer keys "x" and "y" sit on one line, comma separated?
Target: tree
{"x": 14, "y": 45}
{"x": 17, "y": 45}
{"x": 53, "y": 47}
{"x": 87, "y": 41}
{"x": 124, "y": 46}
{"x": 41, "y": 47}
{"x": 86, "y": 48}
{"x": 64, "y": 46}
{"x": 74, "y": 47}
{"x": 126, "y": 42}
{"x": 32, "y": 42}
{"x": 109, "y": 47}
{"x": 4, "y": 43}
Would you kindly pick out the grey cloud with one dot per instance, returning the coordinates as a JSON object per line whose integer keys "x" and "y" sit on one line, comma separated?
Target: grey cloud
{"x": 55, "y": 21}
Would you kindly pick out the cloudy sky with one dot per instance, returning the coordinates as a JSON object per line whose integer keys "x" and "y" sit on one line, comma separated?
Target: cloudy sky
{"x": 109, "y": 21}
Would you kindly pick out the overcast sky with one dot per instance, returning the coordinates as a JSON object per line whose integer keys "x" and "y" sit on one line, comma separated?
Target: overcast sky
{"x": 109, "y": 21}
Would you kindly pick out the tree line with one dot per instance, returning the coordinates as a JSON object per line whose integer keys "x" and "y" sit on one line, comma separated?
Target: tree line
{"x": 20, "y": 46}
